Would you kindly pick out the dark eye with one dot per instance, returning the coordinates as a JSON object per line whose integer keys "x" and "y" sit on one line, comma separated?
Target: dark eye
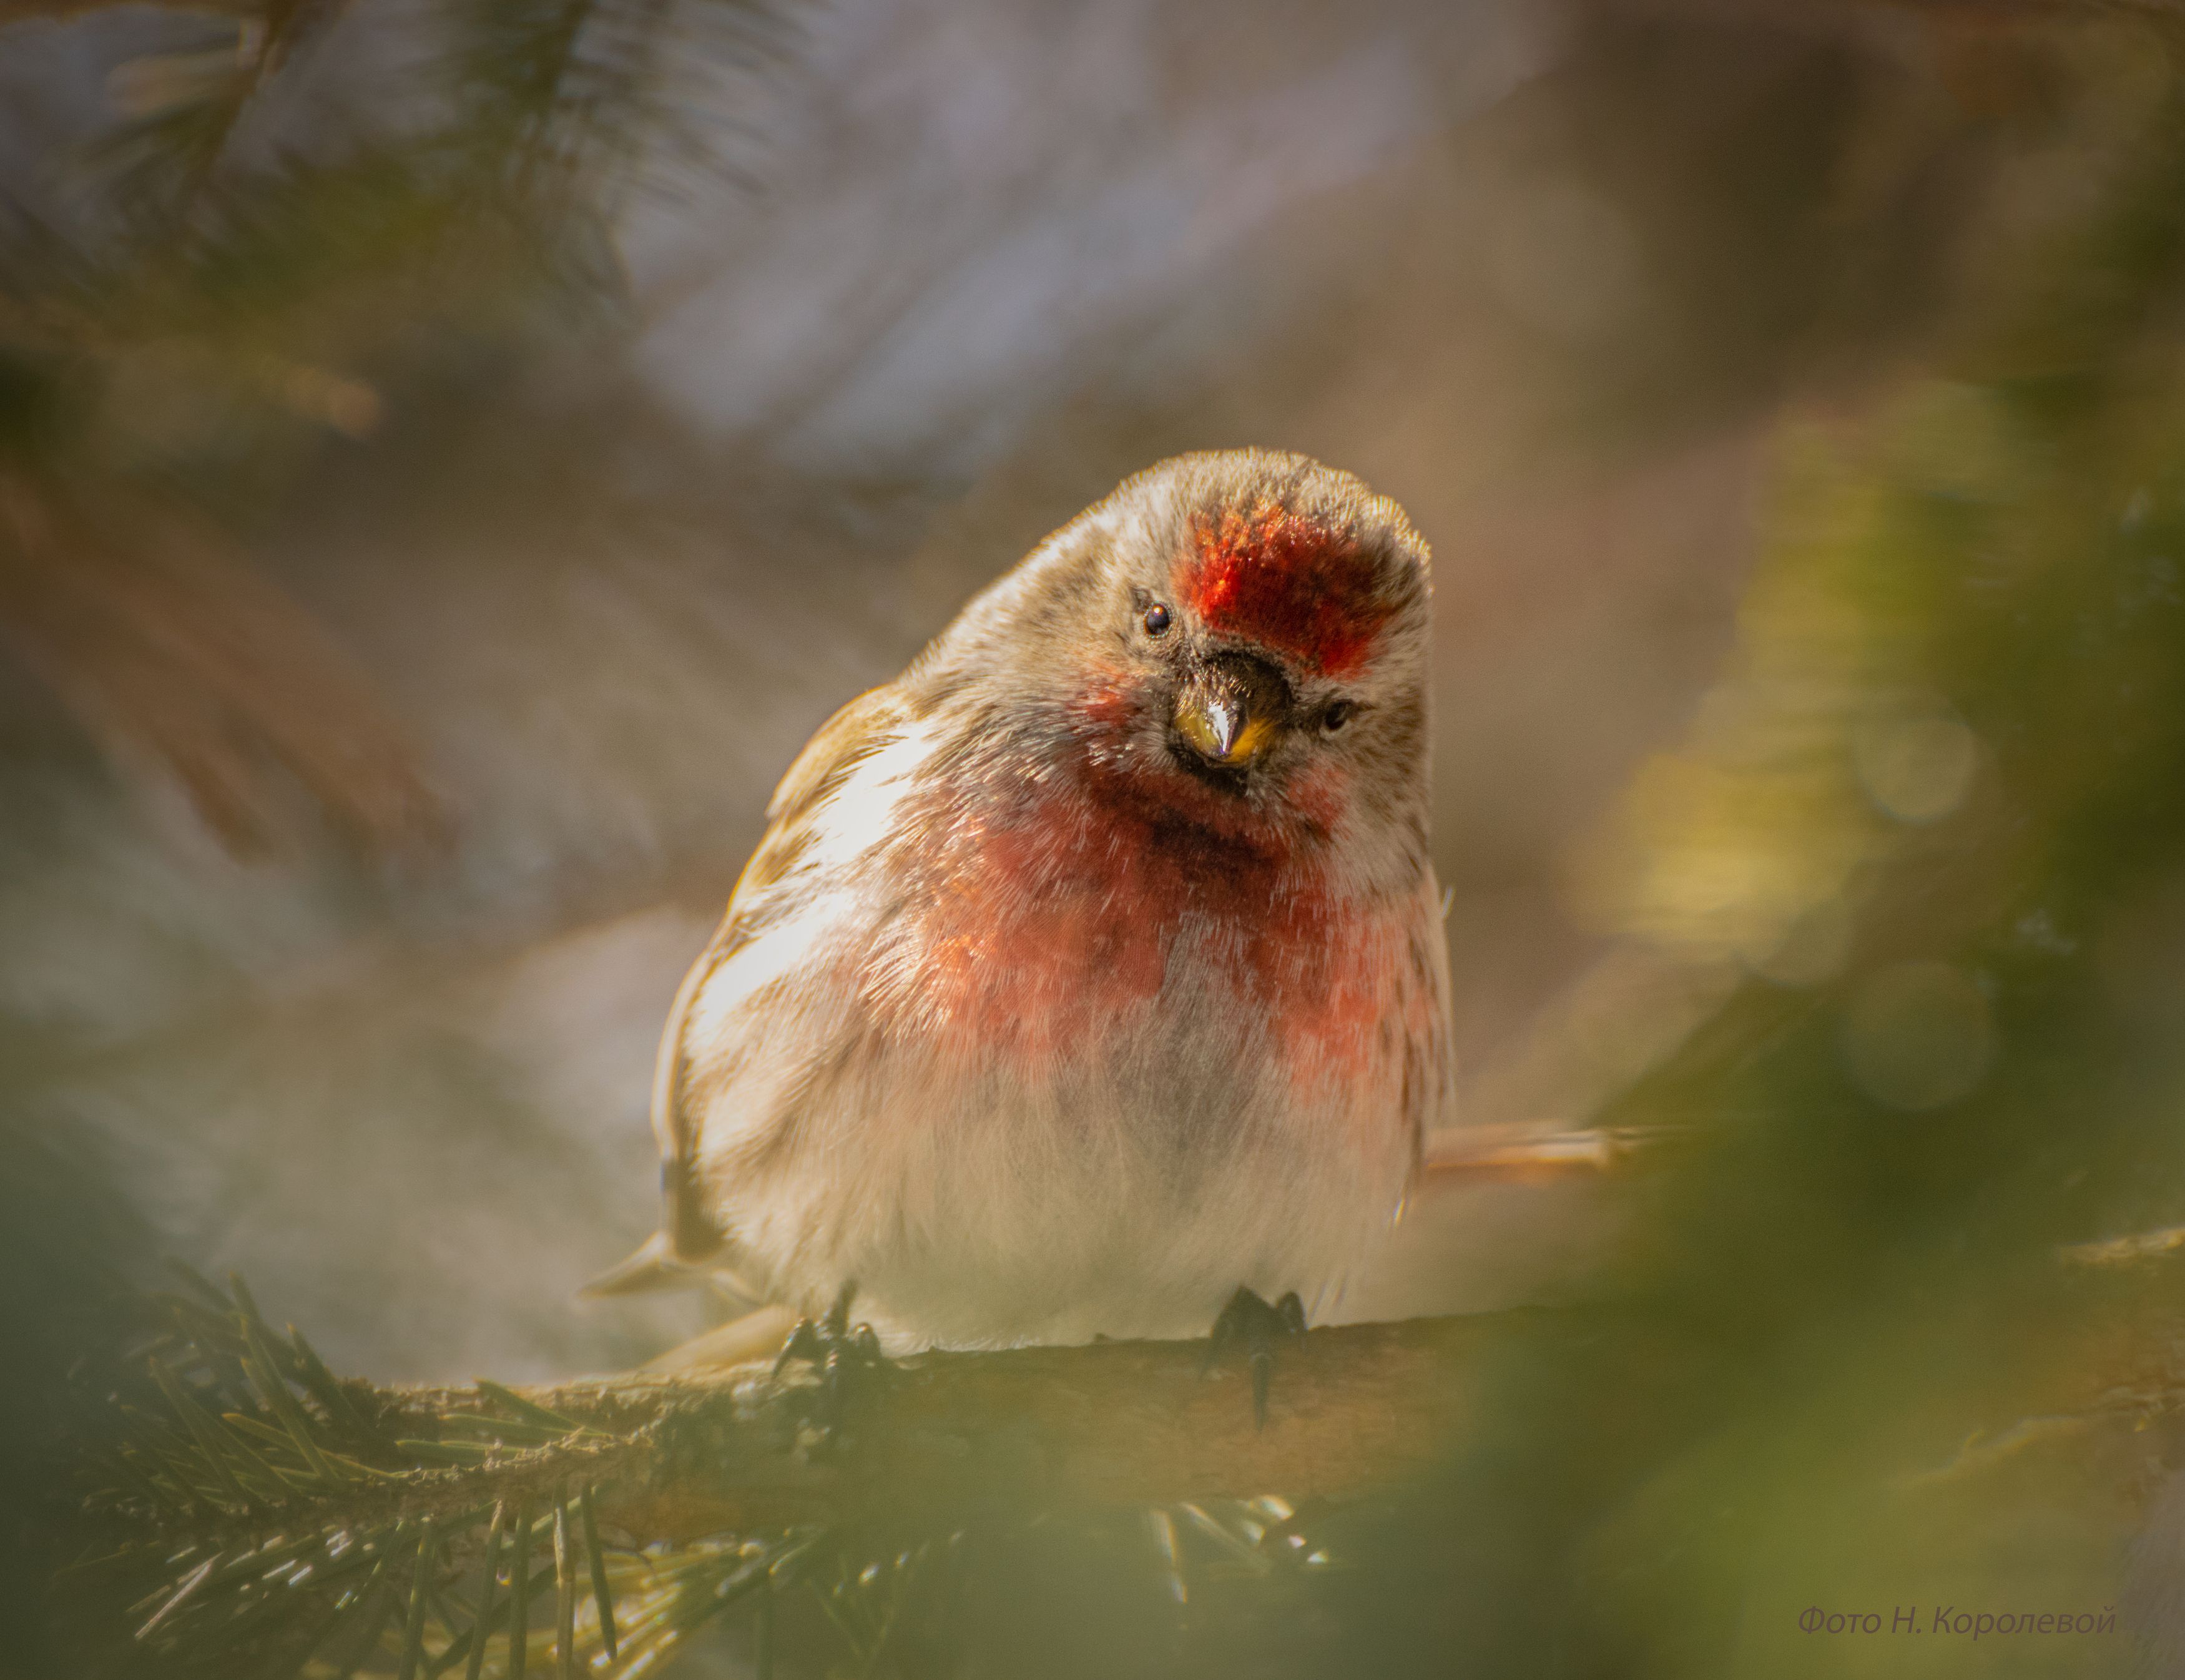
{"x": 1156, "y": 620}
{"x": 1337, "y": 714}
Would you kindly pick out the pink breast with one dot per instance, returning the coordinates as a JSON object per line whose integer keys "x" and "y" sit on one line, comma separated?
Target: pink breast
{"x": 1044, "y": 932}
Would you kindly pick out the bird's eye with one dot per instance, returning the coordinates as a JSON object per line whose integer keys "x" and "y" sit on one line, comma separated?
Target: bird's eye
{"x": 1156, "y": 620}
{"x": 1337, "y": 714}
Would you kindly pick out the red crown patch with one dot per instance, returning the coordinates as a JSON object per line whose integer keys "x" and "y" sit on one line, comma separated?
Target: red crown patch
{"x": 1287, "y": 581}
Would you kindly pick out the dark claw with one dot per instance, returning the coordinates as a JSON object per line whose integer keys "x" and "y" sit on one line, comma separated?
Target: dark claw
{"x": 847, "y": 1357}
{"x": 1250, "y": 1322}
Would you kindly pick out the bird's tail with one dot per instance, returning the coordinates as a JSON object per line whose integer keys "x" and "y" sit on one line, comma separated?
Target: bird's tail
{"x": 758, "y": 1334}
{"x": 652, "y": 1267}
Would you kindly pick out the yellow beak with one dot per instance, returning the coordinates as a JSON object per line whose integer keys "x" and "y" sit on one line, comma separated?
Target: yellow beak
{"x": 1221, "y": 724}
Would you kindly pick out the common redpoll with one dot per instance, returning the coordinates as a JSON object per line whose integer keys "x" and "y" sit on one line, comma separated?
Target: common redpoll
{"x": 1093, "y": 967}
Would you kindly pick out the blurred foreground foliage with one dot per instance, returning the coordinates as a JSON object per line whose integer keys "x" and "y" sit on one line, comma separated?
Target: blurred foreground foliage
{"x": 1893, "y": 1336}
{"x": 1923, "y": 858}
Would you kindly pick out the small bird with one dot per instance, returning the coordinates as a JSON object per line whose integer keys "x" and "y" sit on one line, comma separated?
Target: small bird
{"x": 1093, "y": 969}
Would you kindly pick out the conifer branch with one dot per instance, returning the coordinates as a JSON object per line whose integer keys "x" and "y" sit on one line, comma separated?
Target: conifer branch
{"x": 948, "y": 1436}
{"x": 254, "y": 1512}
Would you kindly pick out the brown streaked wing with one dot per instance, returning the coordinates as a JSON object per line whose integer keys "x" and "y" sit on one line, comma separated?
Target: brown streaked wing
{"x": 844, "y": 741}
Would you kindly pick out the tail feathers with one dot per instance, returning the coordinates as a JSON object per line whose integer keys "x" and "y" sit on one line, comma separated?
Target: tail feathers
{"x": 654, "y": 1267}
{"x": 757, "y": 1335}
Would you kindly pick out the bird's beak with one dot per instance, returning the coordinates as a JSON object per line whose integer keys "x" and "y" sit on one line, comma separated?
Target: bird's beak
{"x": 1226, "y": 722}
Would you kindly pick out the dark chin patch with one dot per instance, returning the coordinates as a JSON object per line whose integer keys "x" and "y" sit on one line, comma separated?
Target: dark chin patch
{"x": 1235, "y": 783}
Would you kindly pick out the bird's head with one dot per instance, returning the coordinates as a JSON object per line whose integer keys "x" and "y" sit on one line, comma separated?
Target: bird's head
{"x": 1239, "y": 636}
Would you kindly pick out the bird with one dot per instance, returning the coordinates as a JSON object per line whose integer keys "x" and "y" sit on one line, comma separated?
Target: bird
{"x": 1090, "y": 976}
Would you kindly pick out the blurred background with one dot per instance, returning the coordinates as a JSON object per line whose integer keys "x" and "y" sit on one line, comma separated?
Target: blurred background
{"x": 454, "y": 452}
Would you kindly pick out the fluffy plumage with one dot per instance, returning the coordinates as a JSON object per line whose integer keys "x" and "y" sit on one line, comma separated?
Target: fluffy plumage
{"x": 1094, "y": 967}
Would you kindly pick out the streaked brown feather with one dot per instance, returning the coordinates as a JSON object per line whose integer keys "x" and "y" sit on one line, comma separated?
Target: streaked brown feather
{"x": 844, "y": 741}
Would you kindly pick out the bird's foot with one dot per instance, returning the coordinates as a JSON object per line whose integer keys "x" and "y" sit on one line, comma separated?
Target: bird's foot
{"x": 1249, "y": 1322}
{"x": 847, "y": 1357}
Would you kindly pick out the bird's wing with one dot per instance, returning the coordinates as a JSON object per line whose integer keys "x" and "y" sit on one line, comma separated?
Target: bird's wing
{"x": 689, "y": 1242}
{"x": 845, "y": 740}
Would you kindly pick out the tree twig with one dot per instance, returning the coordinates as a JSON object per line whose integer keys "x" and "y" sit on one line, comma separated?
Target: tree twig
{"x": 1354, "y": 1408}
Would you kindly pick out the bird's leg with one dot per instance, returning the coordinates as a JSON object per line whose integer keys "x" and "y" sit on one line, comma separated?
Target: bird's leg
{"x": 847, "y": 1357}
{"x": 1249, "y": 1322}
